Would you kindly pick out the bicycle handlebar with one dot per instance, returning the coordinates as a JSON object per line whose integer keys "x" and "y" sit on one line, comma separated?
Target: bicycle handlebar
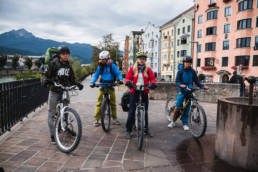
{"x": 108, "y": 84}
{"x": 65, "y": 87}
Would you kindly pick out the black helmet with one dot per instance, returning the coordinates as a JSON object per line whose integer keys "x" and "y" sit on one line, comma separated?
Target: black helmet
{"x": 187, "y": 59}
{"x": 63, "y": 50}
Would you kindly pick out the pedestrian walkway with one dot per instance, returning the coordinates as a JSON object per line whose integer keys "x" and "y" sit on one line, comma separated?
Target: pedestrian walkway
{"x": 28, "y": 148}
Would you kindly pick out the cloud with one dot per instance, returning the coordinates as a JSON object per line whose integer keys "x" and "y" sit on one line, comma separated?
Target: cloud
{"x": 86, "y": 21}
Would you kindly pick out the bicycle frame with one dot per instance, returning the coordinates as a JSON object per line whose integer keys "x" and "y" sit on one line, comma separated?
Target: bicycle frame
{"x": 139, "y": 103}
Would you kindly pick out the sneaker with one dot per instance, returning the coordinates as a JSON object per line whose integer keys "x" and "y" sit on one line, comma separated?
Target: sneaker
{"x": 53, "y": 141}
{"x": 116, "y": 122}
{"x": 127, "y": 135}
{"x": 96, "y": 123}
{"x": 185, "y": 127}
{"x": 171, "y": 124}
{"x": 147, "y": 133}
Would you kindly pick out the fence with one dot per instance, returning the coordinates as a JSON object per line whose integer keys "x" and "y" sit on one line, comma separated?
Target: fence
{"x": 18, "y": 99}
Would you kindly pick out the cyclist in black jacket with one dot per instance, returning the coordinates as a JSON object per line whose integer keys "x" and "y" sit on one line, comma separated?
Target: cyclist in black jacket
{"x": 60, "y": 71}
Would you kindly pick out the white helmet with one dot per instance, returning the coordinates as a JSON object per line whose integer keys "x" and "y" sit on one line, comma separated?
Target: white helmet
{"x": 104, "y": 55}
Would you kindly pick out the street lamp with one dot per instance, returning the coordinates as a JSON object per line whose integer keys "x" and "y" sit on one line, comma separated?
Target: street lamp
{"x": 196, "y": 54}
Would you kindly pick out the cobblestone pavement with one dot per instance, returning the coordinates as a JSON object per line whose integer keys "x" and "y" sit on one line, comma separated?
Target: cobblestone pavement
{"x": 28, "y": 147}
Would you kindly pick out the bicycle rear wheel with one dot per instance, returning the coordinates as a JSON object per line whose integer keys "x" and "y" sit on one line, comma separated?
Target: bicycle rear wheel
{"x": 140, "y": 128}
{"x": 68, "y": 139}
{"x": 197, "y": 121}
{"x": 169, "y": 108}
{"x": 105, "y": 115}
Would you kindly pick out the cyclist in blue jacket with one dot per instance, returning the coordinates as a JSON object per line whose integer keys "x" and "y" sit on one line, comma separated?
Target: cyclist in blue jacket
{"x": 107, "y": 71}
{"x": 184, "y": 79}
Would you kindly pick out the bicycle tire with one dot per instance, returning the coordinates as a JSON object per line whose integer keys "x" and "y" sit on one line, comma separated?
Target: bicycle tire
{"x": 204, "y": 121}
{"x": 105, "y": 106}
{"x": 61, "y": 147}
{"x": 140, "y": 129}
{"x": 170, "y": 108}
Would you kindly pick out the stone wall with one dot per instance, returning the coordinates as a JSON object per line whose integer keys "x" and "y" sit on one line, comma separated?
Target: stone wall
{"x": 216, "y": 91}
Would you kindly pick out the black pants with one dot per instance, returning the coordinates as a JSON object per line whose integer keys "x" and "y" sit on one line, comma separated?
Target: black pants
{"x": 131, "y": 113}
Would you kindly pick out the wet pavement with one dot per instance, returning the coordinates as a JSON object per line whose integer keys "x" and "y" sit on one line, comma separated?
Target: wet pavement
{"x": 28, "y": 148}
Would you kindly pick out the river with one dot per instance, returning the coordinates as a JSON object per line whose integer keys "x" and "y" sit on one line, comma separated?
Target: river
{"x": 7, "y": 79}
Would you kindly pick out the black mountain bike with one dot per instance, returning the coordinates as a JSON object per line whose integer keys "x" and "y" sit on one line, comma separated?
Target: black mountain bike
{"x": 68, "y": 127}
{"x": 105, "y": 109}
{"x": 197, "y": 116}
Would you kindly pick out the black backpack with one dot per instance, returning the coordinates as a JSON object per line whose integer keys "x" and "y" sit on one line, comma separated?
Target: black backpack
{"x": 125, "y": 101}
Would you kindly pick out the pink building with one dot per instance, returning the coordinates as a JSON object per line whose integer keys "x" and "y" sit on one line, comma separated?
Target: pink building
{"x": 226, "y": 38}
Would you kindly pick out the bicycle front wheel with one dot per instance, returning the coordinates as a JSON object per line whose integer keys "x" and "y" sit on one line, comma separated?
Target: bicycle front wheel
{"x": 105, "y": 115}
{"x": 140, "y": 128}
{"x": 68, "y": 139}
{"x": 197, "y": 121}
{"x": 169, "y": 108}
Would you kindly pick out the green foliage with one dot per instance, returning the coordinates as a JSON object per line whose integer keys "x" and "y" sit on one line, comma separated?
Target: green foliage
{"x": 15, "y": 60}
{"x": 27, "y": 75}
{"x": 28, "y": 63}
{"x": 3, "y": 60}
{"x": 37, "y": 63}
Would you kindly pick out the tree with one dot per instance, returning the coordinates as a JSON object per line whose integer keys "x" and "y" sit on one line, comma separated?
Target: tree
{"x": 3, "y": 60}
{"x": 28, "y": 63}
{"x": 15, "y": 60}
{"x": 37, "y": 63}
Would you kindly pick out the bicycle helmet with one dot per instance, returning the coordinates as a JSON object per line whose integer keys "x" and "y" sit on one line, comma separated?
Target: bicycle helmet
{"x": 187, "y": 59}
{"x": 141, "y": 54}
{"x": 104, "y": 55}
{"x": 63, "y": 50}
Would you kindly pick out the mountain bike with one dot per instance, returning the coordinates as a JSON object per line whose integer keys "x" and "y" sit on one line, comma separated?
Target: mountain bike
{"x": 105, "y": 109}
{"x": 197, "y": 117}
{"x": 68, "y": 127}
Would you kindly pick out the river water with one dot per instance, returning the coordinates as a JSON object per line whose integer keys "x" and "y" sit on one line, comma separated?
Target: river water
{"x": 6, "y": 79}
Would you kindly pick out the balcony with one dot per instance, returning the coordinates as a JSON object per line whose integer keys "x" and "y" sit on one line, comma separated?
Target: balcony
{"x": 208, "y": 68}
{"x": 243, "y": 67}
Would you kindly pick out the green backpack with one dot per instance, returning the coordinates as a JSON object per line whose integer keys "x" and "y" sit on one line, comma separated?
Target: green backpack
{"x": 51, "y": 53}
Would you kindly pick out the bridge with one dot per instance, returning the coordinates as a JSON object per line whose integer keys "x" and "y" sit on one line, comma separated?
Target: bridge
{"x": 27, "y": 146}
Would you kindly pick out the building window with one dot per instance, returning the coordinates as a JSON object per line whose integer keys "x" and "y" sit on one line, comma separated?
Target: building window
{"x": 199, "y": 48}
{"x": 211, "y": 30}
{"x": 178, "y": 42}
{"x": 256, "y": 42}
{"x": 178, "y": 52}
{"x": 172, "y": 44}
{"x": 245, "y": 23}
{"x": 183, "y": 31}
{"x": 211, "y": 46}
{"x": 226, "y": 45}
{"x": 188, "y": 28}
{"x": 212, "y": 1}
{"x": 183, "y": 20}
{"x": 178, "y": 31}
{"x": 224, "y": 61}
{"x": 156, "y": 43}
{"x": 209, "y": 61}
{"x": 243, "y": 42}
{"x": 227, "y": 28}
{"x": 199, "y": 33}
{"x": 183, "y": 53}
{"x": 156, "y": 54}
{"x": 255, "y": 60}
{"x": 257, "y": 20}
{"x": 172, "y": 32}
{"x": 200, "y": 19}
{"x": 165, "y": 58}
{"x": 183, "y": 40}
{"x": 227, "y": 11}
{"x": 245, "y": 5}
{"x": 242, "y": 60}
{"x": 198, "y": 62}
{"x": 212, "y": 15}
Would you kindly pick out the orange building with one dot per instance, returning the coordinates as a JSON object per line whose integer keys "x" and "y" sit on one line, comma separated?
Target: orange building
{"x": 226, "y": 38}
{"x": 125, "y": 58}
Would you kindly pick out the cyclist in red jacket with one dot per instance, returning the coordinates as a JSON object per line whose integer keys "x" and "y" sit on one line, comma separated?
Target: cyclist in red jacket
{"x": 142, "y": 74}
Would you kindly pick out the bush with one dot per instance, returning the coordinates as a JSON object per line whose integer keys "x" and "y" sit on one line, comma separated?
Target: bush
{"x": 27, "y": 75}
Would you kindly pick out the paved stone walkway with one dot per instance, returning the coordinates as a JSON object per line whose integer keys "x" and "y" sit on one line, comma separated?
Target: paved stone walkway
{"x": 28, "y": 148}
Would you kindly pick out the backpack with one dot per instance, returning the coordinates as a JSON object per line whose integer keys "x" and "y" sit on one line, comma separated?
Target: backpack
{"x": 111, "y": 71}
{"x": 50, "y": 54}
{"x": 125, "y": 101}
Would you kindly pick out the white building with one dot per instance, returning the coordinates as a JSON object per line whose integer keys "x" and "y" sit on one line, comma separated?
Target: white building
{"x": 151, "y": 45}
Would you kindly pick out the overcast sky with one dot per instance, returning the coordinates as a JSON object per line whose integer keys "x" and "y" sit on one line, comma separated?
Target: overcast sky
{"x": 86, "y": 21}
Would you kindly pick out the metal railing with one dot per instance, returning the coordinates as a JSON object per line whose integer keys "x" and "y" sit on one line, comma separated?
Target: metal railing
{"x": 18, "y": 99}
